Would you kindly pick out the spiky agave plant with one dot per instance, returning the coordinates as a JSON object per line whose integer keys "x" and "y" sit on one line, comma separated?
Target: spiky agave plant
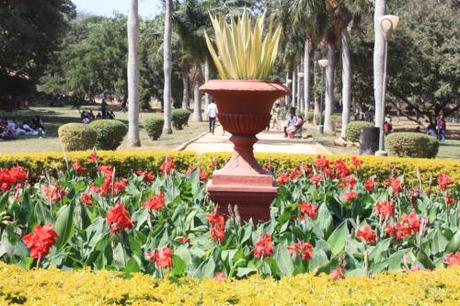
{"x": 244, "y": 51}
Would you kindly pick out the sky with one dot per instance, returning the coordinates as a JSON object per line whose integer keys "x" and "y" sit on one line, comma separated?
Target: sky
{"x": 147, "y": 8}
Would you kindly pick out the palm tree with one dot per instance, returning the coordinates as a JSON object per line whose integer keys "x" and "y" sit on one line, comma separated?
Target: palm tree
{"x": 133, "y": 75}
{"x": 379, "y": 59}
{"x": 330, "y": 70}
{"x": 309, "y": 17}
{"x": 167, "y": 68}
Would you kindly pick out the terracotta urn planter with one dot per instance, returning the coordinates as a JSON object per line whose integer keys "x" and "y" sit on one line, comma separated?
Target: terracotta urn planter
{"x": 244, "y": 111}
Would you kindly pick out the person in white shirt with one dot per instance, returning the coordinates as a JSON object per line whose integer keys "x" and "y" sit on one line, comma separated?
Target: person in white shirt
{"x": 212, "y": 112}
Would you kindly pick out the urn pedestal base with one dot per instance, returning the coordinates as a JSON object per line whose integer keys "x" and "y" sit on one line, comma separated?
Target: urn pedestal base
{"x": 242, "y": 185}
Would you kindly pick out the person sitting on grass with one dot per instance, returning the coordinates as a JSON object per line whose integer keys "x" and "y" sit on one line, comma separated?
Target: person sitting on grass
{"x": 8, "y": 133}
{"x": 29, "y": 130}
{"x": 292, "y": 120}
{"x": 296, "y": 127}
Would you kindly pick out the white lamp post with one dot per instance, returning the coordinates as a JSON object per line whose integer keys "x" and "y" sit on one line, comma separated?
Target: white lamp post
{"x": 323, "y": 64}
{"x": 388, "y": 23}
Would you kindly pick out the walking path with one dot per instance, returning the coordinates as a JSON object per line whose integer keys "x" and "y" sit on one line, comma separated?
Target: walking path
{"x": 269, "y": 142}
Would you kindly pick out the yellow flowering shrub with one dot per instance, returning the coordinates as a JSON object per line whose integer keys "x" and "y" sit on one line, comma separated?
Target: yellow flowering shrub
{"x": 125, "y": 161}
{"x": 54, "y": 287}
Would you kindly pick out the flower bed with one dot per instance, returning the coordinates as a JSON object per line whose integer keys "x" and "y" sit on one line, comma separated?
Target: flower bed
{"x": 329, "y": 217}
{"x": 46, "y": 287}
{"x": 412, "y": 168}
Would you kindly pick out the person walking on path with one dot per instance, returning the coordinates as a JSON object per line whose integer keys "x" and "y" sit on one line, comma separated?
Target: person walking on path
{"x": 212, "y": 111}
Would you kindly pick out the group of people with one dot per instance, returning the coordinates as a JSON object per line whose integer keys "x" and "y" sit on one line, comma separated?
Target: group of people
{"x": 88, "y": 116}
{"x": 10, "y": 130}
{"x": 439, "y": 129}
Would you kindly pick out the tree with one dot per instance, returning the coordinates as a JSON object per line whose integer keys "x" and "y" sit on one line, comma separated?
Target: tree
{"x": 133, "y": 75}
{"x": 167, "y": 67}
{"x": 29, "y": 33}
{"x": 424, "y": 60}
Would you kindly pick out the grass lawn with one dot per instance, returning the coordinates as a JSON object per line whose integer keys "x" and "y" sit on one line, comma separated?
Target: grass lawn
{"x": 54, "y": 117}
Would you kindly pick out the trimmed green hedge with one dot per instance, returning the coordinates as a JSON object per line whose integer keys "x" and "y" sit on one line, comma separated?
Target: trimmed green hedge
{"x": 354, "y": 129}
{"x": 126, "y": 161}
{"x": 154, "y": 126}
{"x": 412, "y": 145}
{"x": 180, "y": 118}
{"x": 110, "y": 133}
{"x": 77, "y": 136}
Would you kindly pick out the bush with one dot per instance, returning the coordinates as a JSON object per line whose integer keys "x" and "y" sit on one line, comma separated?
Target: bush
{"x": 354, "y": 129}
{"x": 154, "y": 127}
{"x": 180, "y": 118}
{"x": 412, "y": 145}
{"x": 125, "y": 161}
{"x": 77, "y": 137}
{"x": 84, "y": 288}
{"x": 110, "y": 133}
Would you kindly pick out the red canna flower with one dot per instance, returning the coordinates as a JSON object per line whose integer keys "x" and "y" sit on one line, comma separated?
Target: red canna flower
{"x": 309, "y": 209}
{"x": 217, "y": 226}
{"x": 118, "y": 218}
{"x": 167, "y": 166}
{"x": 40, "y": 241}
{"x": 294, "y": 173}
{"x": 385, "y": 208}
{"x": 304, "y": 249}
{"x": 220, "y": 277}
{"x": 337, "y": 274}
{"x": 321, "y": 162}
{"x": 396, "y": 185}
{"x": 86, "y": 198}
{"x": 120, "y": 186}
{"x": 203, "y": 175}
{"x": 78, "y": 168}
{"x": 93, "y": 156}
{"x": 316, "y": 179}
{"x": 282, "y": 179}
{"x": 350, "y": 195}
{"x": 106, "y": 170}
{"x": 183, "y": 240}
{"x": 444, "y": 181}
{"x": 305, "y": 168}
{"x": 11, "y": 177}
{"x": 147, "y": 176}
{"x": 450, "y": 200}
{"x": 366, "y": 234}
{"x": 351, "y": 181}
{"x": 218, "y": 233}
{"x": 370, "y": 184}
{"x": 264, "y": 246}
{"x": 162, "y": 258}
{"x": 452, "y": 259}
{"x": 409, "y": 225}
{"x": 356, "y": 162}
{"x": 215, "y": 219}
{"x": 155, "y": 203}
{"x": 341, "y": 168}
{"x": 53, "y": 193}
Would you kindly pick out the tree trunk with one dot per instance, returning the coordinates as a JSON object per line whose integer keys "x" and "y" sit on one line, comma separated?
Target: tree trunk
{"x": 306, "y": 76}
{"x": 346, "y": 81}
{"x": 197, "y": 97}
{"x": 329, "y": 103}
{"x": 186, "y": 92}
{"x": 299, "y": 89}
{"x": 133, "y": 75}
{"x": 379, "y": 59}
{"x": 167, "y": 67}
{"x": 287, "y": 98}
{"x": 294, "y": 92}
{"x": 317, "y": 105}
{"x": 207, "y": 76}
